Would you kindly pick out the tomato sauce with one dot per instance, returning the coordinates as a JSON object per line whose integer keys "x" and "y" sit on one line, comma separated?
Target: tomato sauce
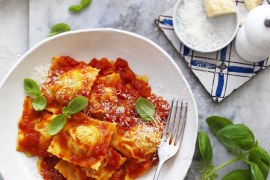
{"x": 120, "y": 109}
{"x": 31, "y": 143}
{"x": 127, "y": 90}
{"x": 47, "y": 169}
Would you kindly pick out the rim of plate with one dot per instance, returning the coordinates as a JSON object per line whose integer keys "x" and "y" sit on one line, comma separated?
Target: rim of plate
{"x": 228, "y": 41}
{"x": 2, "y": 83}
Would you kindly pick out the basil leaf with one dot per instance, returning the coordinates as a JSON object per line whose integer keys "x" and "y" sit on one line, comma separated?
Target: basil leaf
{"x": 256, "y": 173}
{"x": 239, "y": 174}
{"x": 216, "y": 123}
{"x": 59, "y": 28}
{"x": 31, "y": 87}
{"x": 205, "y": 147}
{"x": 57, "y": 124}
{"x": 145, "y": 109}
{"x": 245, "y": 127}
{"x": 259, "y": 156}
{"x": 85, "y": 3}
{"x": 76, "y": 8}
{"x": 64, "y": 110}
{"x": 39, "y": 103}
{"x": 236, "y": 136}
{"x": 79, "y": 7}
{"x": 76, "y": 105}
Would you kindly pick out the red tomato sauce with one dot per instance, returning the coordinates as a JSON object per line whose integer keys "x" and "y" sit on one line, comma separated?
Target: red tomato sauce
{"x": 120, "y": 110}
{"x": 47, "y": 169}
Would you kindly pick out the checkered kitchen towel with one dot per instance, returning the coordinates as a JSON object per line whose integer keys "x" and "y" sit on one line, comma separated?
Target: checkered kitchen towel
{"x": 220, "y": 72}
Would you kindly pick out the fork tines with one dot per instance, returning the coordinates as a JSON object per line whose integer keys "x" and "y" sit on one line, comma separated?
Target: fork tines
{"x": 176, "y": 121}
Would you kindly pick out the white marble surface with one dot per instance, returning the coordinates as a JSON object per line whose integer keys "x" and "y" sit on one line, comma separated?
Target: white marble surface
{"x": 13, "y": 33}
{"x": 250, "y": 104}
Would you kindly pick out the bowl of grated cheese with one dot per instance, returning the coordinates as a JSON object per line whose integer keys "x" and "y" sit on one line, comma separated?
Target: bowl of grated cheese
{"x": 198, "y": 31}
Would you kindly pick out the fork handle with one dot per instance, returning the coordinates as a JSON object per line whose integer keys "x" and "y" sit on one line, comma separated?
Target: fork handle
{"x": 158, "y": 170}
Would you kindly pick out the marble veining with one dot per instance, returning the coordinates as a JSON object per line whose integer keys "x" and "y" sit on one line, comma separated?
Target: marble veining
{"x": 249, "y": 105}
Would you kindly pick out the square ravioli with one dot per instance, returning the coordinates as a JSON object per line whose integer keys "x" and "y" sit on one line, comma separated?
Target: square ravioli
{"x": 139, "y": 142}
{"x": 112, "y": 162}
{"x": 63, "y": 84}
{"x": 83, "y": 141}
{"x": 70, "y": 171}
{"x": 33, "y": 137}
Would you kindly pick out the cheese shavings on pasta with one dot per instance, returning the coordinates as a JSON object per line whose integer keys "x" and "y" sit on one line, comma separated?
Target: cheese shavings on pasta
{"x": 108, "y": 139}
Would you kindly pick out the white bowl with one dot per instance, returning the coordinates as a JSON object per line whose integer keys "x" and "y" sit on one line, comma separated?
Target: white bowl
{"x": 224, "y": 28}
{"x": 144, "y": 57}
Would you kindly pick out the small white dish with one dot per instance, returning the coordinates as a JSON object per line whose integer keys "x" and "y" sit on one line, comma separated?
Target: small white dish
{"x": 198, "y": 31}
{"x": 144, "y": 57}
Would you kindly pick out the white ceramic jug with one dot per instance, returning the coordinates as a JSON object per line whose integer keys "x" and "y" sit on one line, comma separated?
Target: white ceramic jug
{"x": 253, "y": 39}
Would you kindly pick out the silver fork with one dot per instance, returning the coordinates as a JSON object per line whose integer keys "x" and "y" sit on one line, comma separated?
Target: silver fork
{"x": 173, "y": 133}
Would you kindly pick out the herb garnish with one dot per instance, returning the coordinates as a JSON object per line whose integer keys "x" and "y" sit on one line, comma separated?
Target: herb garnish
{"x": 79, "y": 7}
{"x": 145, "y": 109}
{"x": 32, "y": 89}
{"x": 239, "y": 139}
{"x": 59, "y": 28}
{"x": 74, "y": 106}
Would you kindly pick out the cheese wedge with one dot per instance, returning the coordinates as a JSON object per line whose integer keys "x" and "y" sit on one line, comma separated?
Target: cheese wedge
{"x": 219, "y": 7}
{"x": 250, "y": 4}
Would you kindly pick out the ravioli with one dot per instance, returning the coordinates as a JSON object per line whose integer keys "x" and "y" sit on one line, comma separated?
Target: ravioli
{"x": 70, "y": 171}
{"x": 103, "y": 98}
{"x": 83, "y": 141}
{"x": 77, "y": 81}
{"x": 108, "y": 140}
{"x": 33, "y": 136}
{"x": 67, "y": 80}
{"x": 138, "y": 142}
{"x": 112, "y": 162}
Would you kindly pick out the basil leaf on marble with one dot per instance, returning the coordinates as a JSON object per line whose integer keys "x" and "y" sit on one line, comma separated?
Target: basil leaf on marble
{"x": 79, "y": 7}
{"x": 59, "y": 28}
{"x": 85, "y": 3}
{"x": 145, "y": 109}
{"x": 239, "y": 174}
{"x": 216, "y": 123}
{"x": 236, "y": 136}
{"x": 256, "y": 173}
{"x": 205, "y": 147}
{"x": 76, "y": 8}
{"x": 259, "y": 156}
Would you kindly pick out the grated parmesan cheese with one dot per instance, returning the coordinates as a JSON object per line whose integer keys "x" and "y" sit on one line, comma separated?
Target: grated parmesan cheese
{"x": 40, "y": 73}
{"x": 197, "y": 29}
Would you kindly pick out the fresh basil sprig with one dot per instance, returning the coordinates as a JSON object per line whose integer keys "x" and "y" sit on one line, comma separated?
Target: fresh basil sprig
{"x": 256, "y": 173}
{"x": 216, "y": 123}
{"x": 205, "y": 147}
{"x": 145, "y": 109}
{"x": 239, "y": 174}
{"x": 32, "y": 89}
{"x": 74, "y": 106}
{"x": 59, "y": 28}
{"x": 241, "y": 140}
{"x": 259, "y": 156}
{"x": 79, "y": 7}
{"x": 236, "y": 136}
{"x": 206, "y": 152}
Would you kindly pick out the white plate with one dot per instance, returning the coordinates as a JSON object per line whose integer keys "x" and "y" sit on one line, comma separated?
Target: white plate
{"x": 143, "y": 56}
{"x": 224, "y": 28}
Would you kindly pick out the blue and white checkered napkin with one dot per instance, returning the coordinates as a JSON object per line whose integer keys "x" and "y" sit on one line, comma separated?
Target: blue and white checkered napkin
{"x": 220, "y": 72}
